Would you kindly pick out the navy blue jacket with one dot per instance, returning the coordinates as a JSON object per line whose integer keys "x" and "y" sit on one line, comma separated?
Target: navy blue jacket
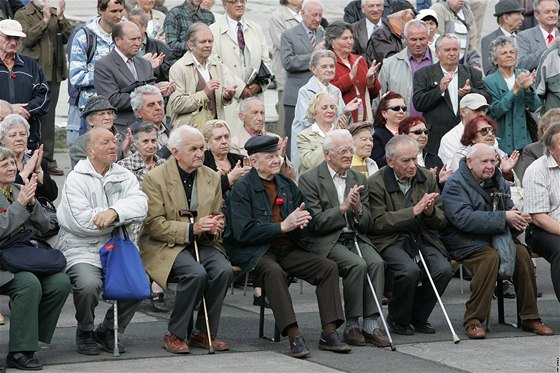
{"x": 469, "y": 209}
{"x": 249, "y": 226}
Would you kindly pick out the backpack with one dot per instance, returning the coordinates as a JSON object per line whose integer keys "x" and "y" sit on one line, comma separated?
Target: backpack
{"x": 91, "y": 38}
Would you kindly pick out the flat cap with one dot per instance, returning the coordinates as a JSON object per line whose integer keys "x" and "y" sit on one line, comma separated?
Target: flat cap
{"x": 261, "y": 144}
{"x": 473, "y": 101}
{"x": 398, "y": 5}
{"x": 357, "y": 127}
{"x": 97, "y": 103}
{"x": 507, "y": 6}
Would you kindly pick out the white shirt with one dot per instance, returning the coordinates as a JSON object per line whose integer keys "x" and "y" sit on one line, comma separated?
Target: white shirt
{"x": 450, "y": 142}
{"x": 453, "y": 88}
{"x": 339, "y": 183}
{"x": 372, "y": 26}
{"x": 297, "y": 15}
{"x": 204, "y": 70}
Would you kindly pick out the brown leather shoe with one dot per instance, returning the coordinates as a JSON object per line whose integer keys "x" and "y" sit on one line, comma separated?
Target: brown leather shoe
{"x": 55, "y": 171}
{"x": 378, "y": 338}
{"x": 201, "y": 340}
{"x": 174, "y": 344}
{"x": 354, "y": 337}
{"x": 536, "y": 326}
{"x": 475, "y": 330}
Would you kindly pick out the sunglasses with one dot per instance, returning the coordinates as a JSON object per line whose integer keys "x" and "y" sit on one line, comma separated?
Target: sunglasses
{"x": 419, "y": 132}
{"x": 397, "y": 108}
{"x": 486, "y": 130}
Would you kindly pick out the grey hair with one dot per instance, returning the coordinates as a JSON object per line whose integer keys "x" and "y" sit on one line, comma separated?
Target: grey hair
{"x": 176, "y": 137}
{"x": 473, "y": 150}
{"x": 446, "y": 36}
{"x": 306, "y": 3}
{"x": 547, "y": 140}
{"x": 193, "y": 29}
{"x": 12, "y": 120}
{"x": 318, "y": 54}
{"x": 394, "y": 142}
{"x": 415, "y": 22}
{"x": 211, "y": 125}
{"x": 338, "y": 133}
{"x": 537, "y": 5}
{"x": 138, "y": 93}
{"x": 146, "y": 127}
{"x": 334, "y": 30}
{"x": 142, "y": 16}
{"x": 500, "y": 41}
{"x": 245, "y": 103}
{"x": 6, "y": 105}
{"x": 397, "y": 14}
{"x": 549, "y": 118}
{"x": 6, "y": 153}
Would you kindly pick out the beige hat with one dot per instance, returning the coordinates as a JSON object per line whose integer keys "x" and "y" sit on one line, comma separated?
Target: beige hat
{"x": 11, "y": 27}
{"x": 473, "y": 101}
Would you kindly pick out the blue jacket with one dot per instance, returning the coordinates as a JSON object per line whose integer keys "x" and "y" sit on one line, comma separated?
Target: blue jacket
{"x": 249, "y": 228}
{"x": 508, "y": 110}
{"x": 469, "y": 209}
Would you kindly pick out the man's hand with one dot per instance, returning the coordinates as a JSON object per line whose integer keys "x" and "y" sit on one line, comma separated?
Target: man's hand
{"x": 299, "y": 218}
{"x": 444, "y": 174}
{"x": 60, "y": 10}
{"x": 166, "y": 88}
{"x": 444, "y": 82}
{"x": 213, "y": 224}
{"x": 155, "y": 59}
{"x": 46, "y": 12}
{"x": 104, "y": 218}
{"x": 229, "y": 92}
{"x": 352, "y": 200}
{"x": 21, "y": 110}
{"x": 466, "y": 89}
{"x": 426, "y": 204}
{"x": 517, "y": 220}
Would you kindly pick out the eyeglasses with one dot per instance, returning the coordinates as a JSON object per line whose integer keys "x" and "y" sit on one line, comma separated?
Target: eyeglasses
{"x": 344, "y": 151}
{"x": 419, "y": 132}
{"x": 233, "y": 2}
{"x": 486, "y": 130}
{"x": 397, "y": 108}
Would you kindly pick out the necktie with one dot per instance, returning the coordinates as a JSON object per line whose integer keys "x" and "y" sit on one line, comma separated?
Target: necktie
{"x": 549, "y": 39}
{"x": 132, "y": 69}
{"x": 312, "y": 38}
{"x": 240, "y": 37}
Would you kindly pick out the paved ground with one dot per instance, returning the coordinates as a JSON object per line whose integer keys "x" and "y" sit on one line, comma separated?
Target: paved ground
{"x": 506, "y": 349}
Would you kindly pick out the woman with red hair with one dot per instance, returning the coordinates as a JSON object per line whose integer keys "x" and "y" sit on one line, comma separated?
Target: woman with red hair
{"x": 390, "y": 112}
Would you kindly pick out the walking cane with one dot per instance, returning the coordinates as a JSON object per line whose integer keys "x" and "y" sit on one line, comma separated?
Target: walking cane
{"x": 455, "y": 337}
{"x": 393, "y": 348}
{"x": 191, "y": 215}
{"x": 116, "y": 329}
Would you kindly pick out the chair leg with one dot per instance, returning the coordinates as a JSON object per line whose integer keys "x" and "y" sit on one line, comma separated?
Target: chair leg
{"x": 261, "y": 315}
{"x": 500, "y": 296}
{"x": 246, "y": 282}
{"x": 300, "y": 286}
{"x": 461, "y": 277}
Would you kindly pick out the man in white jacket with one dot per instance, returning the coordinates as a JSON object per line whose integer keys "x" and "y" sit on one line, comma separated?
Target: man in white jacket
{"x": 98, "y": 196}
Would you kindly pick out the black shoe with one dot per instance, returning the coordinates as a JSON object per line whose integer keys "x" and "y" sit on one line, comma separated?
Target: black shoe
{"x": 23, "y": 361}
{"x": 398, "y": 328}
{"x": 158, "y": 303}
{"x": 85, "y": 342}
{"x": 257, "y": 301}
{"x": 298, "y": 347}
{"x": 107, "y": 340}
{"x": 332, "y": 342}
{"x": 425, "y": 328}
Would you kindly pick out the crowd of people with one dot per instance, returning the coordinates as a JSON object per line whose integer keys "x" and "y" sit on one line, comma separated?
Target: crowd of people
{"x": 403, "y": 136}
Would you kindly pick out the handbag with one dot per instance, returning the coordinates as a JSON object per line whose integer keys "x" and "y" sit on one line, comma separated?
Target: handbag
{"x": 25, "y": 252}
{"x": 200, "y": 117}
{"x": 123, "y": 272}
{"x": 50, "y": 210}
{"x": 264, "y": 76}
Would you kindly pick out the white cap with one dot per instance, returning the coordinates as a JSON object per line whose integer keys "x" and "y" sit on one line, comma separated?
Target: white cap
{"x": 422, "y": 14}
{"x": 11, "y": 27}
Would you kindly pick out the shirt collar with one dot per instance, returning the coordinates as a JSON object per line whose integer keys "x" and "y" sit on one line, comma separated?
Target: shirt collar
{"x": 427, "y": 55}
{"x": 333, "y": 173}
{"x": 198, "y": 65}
{"x": 125, "y": 58}
{"x": 315, "y": 128}
{"x": 447, "y": 72}
{"x": 233, "y": 23}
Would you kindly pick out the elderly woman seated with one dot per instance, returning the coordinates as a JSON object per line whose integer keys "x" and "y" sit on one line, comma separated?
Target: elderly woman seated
{"x": 36, "y": 300}
{"x": 362, "y": 135}
{"x": 14, "y": 133}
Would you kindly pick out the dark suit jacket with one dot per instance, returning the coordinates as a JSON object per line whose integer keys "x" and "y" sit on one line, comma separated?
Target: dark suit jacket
{"x": 485, "y": 49}
{"x": 381, "y": 137}
{"x": 111, "y": 76}
{"x": 438, "y": 109}
{"x": 531, "y": 153}
{"x": 353, "y": 11}
{"x": 318, "y": 188}
{"x": 295, "y": 54}
{"x": 530, "y": 47}
{"x": 210, "y": 161}
{"x": 359, "y": 29}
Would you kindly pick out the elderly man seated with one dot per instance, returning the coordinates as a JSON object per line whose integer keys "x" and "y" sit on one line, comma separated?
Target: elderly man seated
{"x": 477, "y": 205}
{"x": 267, "y": 233}
{"x": 338, "y": 199}
{"x": 98, "y": 196}
{"x": 181, "y": 187}
{"x": 406, "y": 214}
{"x": 542, "y": 201}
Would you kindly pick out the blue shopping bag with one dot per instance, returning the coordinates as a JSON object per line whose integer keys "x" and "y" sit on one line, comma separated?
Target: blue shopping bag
{"x": 123, "y": 272}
